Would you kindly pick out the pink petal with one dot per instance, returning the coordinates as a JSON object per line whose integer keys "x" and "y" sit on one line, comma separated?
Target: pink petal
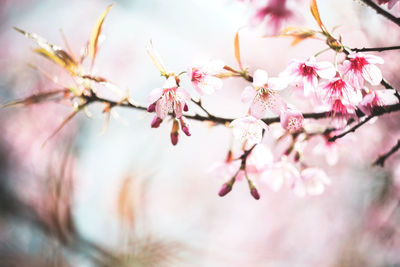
{"x": 155, "y": 94}
{"x": 163, "y": 107}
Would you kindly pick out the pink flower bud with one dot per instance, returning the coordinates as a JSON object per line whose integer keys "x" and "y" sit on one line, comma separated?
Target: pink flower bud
{"x": 185, "y": 126}
{"x": 254, "y": 193}
{"x": 225, "y": 189}
{"x": 156, "y": 122}
{"x": 175, "y": 132}
{"x": 151, "y": 108}
{"x": 185, "y": 107}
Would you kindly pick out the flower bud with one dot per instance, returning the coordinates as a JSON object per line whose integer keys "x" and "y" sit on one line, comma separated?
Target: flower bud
{"x": 151, "y": 107}
{"x": 185, "y": 107}
{"x": 175, "y": 132}
{"x": 156, "y": 122}
{"x": 254, "y": 193}
{"x": 185, "y": 126}
{"x": 225, "y": 189}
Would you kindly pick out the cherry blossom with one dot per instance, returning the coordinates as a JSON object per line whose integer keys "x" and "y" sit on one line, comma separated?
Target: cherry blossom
{"x": 338, "y": 88}
{"x": 312, "y": 181}
{"x": 248, "y": 130}
{"x": 359, "y": 67}
{"x": 263, "y": 94}
{"x": 377, "y": 98}
{"x": 280, "y": 173}
{"x": 304, "y": 74}
{"x": 291, "y": 120}
{"x": 202, "y": 76}
{"x": 169, "y": 98}
{"x": 341, "y": 111}
{"x": 275, "y": 14}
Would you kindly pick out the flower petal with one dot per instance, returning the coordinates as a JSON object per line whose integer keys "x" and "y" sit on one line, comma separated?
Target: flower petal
{"x": 155, "y": 94}
{"x": 260, "y": 78}
{"x": 372, "y": 74}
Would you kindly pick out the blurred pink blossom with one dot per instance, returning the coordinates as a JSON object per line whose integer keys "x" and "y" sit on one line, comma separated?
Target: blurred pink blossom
{"x": 248, "y": 130}
{"x": 202, "y": 76}
{"x": 376, "y": 98}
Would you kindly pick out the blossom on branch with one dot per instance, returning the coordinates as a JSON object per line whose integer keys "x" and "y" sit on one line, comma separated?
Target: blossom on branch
{"x": 203, "y": 76}
{"x": 377, "y": 98}
{"x": 304, "y": 74}
{"x": 359, "y": 67}
{"x": 263, "y": 95}
{"x": 169, "y": 98}
{"x": 248, "y": 130}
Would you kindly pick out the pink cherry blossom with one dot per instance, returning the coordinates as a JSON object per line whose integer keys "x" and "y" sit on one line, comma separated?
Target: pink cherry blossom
{"x": 202, "y": 76}
{"x": 169, "y": 98}
{"x": 341, "y": 111}
{"x": 275, "y": 14}
{"x": 377, "y": 98}
{"x": 304, "y": 74}
{"x": 337, "y": 89}
{"x": 312, "y": 182}
{"x": 228, "y": 168}
{"x": 280, "y": 173}
{"x": 291, "y": 120}
{"x": 248, "y": 130}
{"x": 359, "y": 67}
{"x": 326, "y": 149}
{"x": 263, "y": 94}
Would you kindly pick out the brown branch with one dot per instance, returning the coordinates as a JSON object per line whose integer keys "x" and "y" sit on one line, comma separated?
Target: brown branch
{"x": 376, "y": 49}
{"x": 351, "y": 130}
{"x": 381, "y": 11}
{"x": 381, "y": 160}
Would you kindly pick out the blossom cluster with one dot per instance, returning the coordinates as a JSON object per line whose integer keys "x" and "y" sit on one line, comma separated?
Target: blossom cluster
{"x": 340, "y": 89}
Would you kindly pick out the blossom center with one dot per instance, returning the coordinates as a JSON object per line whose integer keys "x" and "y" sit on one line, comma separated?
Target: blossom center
{"x": 307, "y": 70}
{"x": 358, "y": 63}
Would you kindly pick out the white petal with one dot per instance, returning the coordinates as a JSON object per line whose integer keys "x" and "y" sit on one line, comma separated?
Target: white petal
{"x": 260, "y": 78}
{"x": 248, "y": 94}
{"x": 170, "y": 83}
{"x": 387, "y": 97}
{"x": 372, "y": 74}
{"x": 325, "y": 70}
{"x": 278, "y": 84}
{"x": 374, "y": 59}
{"x": 163, "y": 107}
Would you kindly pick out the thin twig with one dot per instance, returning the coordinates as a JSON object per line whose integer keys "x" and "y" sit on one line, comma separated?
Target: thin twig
{"x": 381, "y": 11}
{"x": 352, "y": 129}
{"x": 381, "y": 160}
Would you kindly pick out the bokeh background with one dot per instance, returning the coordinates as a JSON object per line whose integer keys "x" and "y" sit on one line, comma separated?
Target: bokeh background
{"x": 127, "y": 197}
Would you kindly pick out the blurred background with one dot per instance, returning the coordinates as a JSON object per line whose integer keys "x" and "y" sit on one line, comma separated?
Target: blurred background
{"x": 127, "y": 197}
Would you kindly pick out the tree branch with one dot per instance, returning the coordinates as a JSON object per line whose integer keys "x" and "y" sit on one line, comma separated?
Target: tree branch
{"x": 376, "y": 49}
{"x": 381, "y": 160}
{"x": 381, "y": 11}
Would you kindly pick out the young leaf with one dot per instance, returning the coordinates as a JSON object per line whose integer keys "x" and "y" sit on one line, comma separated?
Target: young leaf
{"x": 156, "y": 58}
{"x": 96, "y": 31}
{"x": 52, "y": 52}
{"x": 37, "y": 98}
{"x": 299, "y": 34}
{"x": 315, "y": 13}
{"x": 237, "y": 50}
{"x": 59, "y": 128}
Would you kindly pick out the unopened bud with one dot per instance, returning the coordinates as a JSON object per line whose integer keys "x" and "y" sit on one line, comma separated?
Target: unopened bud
{"x": 185, "y": 107}
{"x": 151, "y": 108}
{"x": 297, "y": 156}
{"x": 185, "y": 126}
{"x": 254, "y": 193}
{"x": 175, "y": 132}
{"x": 225, "y": 189}
{"x": 156, "y": 122}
